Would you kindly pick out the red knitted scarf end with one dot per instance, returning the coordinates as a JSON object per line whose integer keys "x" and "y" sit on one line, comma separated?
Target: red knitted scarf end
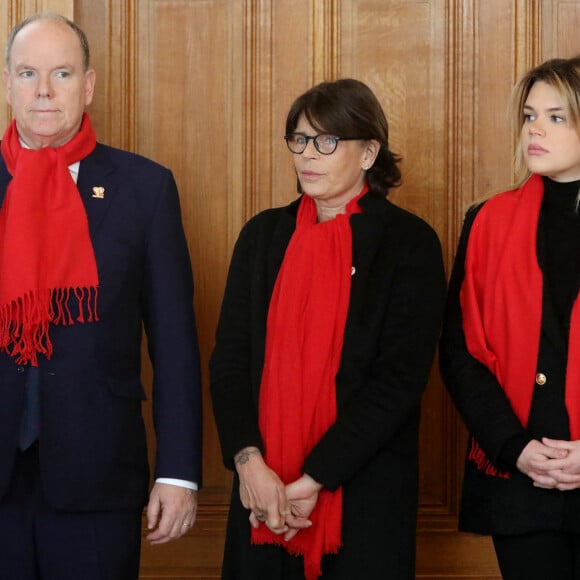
{"x": 25, "y": 322}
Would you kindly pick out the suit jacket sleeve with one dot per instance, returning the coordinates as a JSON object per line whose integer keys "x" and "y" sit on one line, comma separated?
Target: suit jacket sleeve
{"x": 172, "y": 341}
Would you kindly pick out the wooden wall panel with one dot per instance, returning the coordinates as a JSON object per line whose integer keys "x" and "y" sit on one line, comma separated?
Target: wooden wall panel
{"x": 398, "y": 51}
{"x": 560, "y": 28}
{"x": 193, "y": 100}
{"x": 284, "y": 59}
{"x": 191, "y": 97}
{"x": 407, "y": 72}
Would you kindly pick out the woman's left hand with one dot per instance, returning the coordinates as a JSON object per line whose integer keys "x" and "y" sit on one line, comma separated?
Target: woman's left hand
{"x": 566, "y": 471}
{"x": 301, "y": 496}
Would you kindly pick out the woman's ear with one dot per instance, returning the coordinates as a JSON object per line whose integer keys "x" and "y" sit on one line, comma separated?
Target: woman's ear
{"x": 371, "y": 150}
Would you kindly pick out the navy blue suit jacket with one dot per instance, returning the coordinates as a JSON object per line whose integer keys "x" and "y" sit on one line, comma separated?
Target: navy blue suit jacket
{"x": 92, "y": 443}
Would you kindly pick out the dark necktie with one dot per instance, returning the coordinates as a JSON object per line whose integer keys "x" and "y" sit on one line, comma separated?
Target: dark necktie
{"x": 29, "y": 427}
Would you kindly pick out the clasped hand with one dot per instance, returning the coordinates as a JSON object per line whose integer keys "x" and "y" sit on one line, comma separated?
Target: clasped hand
{"x": 284, "y": 509}
{"x": 552, "y": 463}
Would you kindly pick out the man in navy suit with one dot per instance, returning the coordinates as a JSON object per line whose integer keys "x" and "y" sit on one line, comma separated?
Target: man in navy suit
{"x": 92, "y": 250}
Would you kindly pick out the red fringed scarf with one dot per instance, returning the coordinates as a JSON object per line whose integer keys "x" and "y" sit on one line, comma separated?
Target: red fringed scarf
{"x": 306, "y": 322}
{"x": 46, "y": 254}
{"x": 501, "y": 300}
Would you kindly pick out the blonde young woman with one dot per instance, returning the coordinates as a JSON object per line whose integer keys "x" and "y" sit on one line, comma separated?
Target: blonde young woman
{"x": 510, "y": 346}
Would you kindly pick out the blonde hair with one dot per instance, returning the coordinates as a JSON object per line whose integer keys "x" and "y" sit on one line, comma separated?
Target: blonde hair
{"x": 564, "y": 76}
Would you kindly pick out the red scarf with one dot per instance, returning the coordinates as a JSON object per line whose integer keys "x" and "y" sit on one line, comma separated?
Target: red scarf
{"x": 46, "y": 254}
{"x": 501, "y": 299}
{"x": 305, "y": 331}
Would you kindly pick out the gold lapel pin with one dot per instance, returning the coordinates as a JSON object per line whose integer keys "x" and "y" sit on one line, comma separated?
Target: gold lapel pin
{"x": 98, "y": 192}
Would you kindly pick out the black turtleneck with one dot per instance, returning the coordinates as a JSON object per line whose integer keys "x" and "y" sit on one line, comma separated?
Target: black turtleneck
{"x": 561, "y": 255}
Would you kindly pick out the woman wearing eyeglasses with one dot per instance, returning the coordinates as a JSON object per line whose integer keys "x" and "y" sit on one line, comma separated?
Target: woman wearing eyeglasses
{"x": 327, "y": 333}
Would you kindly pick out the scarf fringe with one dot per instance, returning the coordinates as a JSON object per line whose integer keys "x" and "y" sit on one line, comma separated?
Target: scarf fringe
{"x": 24, "y": 323}
{"x": 477, "y": 455}
{"x": 48, "y": 276}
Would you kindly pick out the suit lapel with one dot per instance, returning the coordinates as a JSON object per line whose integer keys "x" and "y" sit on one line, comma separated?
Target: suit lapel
{"x": 96, "y": 186}
{"x": 5, "y": 178}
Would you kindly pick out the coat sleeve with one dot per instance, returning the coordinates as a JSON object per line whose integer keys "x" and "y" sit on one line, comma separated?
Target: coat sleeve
{"x": 388, "y": 402}
{"x": 172, "y": 338}
{"x": 475, "y": 391}
{"x": 231, "y": 364}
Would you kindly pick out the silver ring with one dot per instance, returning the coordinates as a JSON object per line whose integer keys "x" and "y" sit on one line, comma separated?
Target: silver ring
{"x": 260, "y": 517}
{"x": 187, "y": 525}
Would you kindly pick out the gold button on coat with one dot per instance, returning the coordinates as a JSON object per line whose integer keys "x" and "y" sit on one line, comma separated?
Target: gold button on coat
{"x": 541, "y": 379}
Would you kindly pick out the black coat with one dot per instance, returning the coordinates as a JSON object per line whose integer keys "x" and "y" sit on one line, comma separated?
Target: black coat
{"x": 496, "y": 505}
{"x": 391, "y": 332}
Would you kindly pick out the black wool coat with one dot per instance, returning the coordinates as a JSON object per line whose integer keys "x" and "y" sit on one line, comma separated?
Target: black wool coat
{"x": 391, "y": 332}
{"x": 499, "y": 505}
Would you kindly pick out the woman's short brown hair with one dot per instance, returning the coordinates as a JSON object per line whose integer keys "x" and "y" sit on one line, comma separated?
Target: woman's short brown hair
{"x": 348, "y": 108}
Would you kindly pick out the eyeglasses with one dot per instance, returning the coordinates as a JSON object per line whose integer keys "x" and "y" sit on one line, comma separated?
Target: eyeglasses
{"x": 325, "y": 144}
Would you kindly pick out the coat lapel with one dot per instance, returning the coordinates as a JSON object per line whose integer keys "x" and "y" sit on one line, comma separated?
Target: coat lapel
{"x": 368, "y": 230}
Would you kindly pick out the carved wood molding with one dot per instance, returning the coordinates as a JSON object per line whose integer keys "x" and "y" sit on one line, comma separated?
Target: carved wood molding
{"x": 19, "y": 9}
{"x": 258, "y": 88}
{"x": 122, "y": 71}
{"x": 460, "y": 87}
{"x": 325, "y": 33}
